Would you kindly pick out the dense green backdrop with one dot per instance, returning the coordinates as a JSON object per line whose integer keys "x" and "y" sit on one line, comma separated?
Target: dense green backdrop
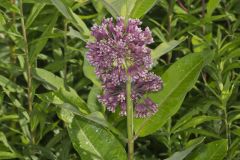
{"x": 48, "y": 90}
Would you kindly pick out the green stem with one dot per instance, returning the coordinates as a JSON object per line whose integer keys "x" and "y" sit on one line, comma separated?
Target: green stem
{"x": 28, "y": 66}
{"x": 12, "y": 44}
{"x": 228, "y": 135}
{"x": 203, "y": 15}
{"x": 130, "y": 121}
{"x": 65, "y": 51}
{"x": 26, "y": 52}
{"x": 169, "y": 137}
{"x": 169, "y": 27}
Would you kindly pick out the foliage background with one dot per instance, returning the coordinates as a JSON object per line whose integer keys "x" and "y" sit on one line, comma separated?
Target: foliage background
{"x": 48, "y": 104}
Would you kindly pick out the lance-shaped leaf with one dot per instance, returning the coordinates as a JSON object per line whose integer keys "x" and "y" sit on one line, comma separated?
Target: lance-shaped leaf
{"x": 165, "y": 47}
{"x": 142, "y": 7}
{"x": 178, "y": 80}
{"x": 65, "y": 93}
{"x": 215, "y": 150}
{"x": 182, "y": 154}
{"x": 119, "y": 8}
{"x": 37, "y": 47}
{"x": 72, "y": 17}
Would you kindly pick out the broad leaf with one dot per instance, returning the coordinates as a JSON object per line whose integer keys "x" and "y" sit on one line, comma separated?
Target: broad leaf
{"x": 178, "y": 80}
{"x": 94, "y": 142}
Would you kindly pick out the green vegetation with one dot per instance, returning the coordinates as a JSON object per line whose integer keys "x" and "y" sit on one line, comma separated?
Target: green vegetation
{"x": 48, "y": 90}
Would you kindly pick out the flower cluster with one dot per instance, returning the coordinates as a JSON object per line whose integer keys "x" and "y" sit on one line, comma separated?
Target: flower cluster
{"x": 120, "y": 51}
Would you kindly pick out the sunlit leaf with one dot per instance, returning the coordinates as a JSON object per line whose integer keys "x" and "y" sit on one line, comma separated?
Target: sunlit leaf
{"x": 178, "y": 80}
{"x": 94, "y": 142}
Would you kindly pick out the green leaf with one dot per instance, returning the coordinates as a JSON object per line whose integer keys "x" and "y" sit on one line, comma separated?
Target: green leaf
{"x": 233, "y": 54}
{"x": 34, "y": 13}
{"x": 178, "y": 80}
{"x": 36, "y": 48}
{"x": 92, "y": 101}
{"x": 96, "y": 117}
{"x": 9, "y": 6}
{"x": 8, "y": 155}
{"x": 194, "y": 122}
{"x": 70, "y": 96}
{"x": 11, "y": 117}
{"x": 204, "y": 132}
{"x": 181, "y": 155}
{"x": 211, "y": 6}
{"x": 9, "y": 85}
{"x": 184, "y": 119}
{"x": 2, "y": 21}
{"x": 4, "y": 140}
{"x": 94, "y": 142}
{"x": 216, "y": 150}
{"x": 48, "y": 78}
{"x": 89, "y": 72}
{"x": 165, "y": 47}
{"x": 115, "y": 7}
{"x": 72, "y": 17}
{"x": 62, "y": 8}
{"x": 142, "y": 7}
{"x": 65, "y": 93}
{"x": 56, "y": 65}
{"x": 37, "y": 1}
{"x": 75, "y": 34}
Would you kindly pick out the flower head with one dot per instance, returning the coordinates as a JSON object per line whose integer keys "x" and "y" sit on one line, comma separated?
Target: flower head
{"x": 118, "y": 51}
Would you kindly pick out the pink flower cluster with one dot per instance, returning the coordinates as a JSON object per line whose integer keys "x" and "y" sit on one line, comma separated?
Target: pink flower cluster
{"x": 120, "y": 50}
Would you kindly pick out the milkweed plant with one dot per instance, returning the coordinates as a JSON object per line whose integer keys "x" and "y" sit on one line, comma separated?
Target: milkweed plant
{"x": 123, "y": 62}
{"x": 75, "y": 84}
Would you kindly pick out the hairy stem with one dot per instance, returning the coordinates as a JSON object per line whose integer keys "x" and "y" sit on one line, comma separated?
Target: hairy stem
{"x": 130, "y": 121}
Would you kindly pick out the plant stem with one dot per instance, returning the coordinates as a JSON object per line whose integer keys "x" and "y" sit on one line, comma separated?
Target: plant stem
{"x": 228, "y": 135}
{"x": 169, "y": 26}
{"x": 130, "y": 121}
{"x": 169, "y": 136}
{"x": 28, "y": 67}
{"x": 203, "y": 15}
{"x": 12, "y": 44}
{"x": 27, "y": 63}
{"x": 65, "y": 51}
